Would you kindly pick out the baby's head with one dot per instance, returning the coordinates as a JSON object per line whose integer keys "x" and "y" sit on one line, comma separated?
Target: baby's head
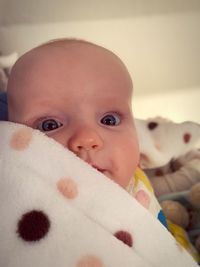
{"x": 79, "y": 94}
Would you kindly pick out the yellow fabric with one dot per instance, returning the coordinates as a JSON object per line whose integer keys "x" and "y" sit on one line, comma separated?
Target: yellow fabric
{"x": 141, "y": 176}
{"x": 140, "y": 182}
{"x": 181, "y": 237}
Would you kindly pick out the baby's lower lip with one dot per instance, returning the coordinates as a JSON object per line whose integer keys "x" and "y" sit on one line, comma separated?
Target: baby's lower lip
{"x": 98, "y": 169}
{"x": 102, "y": 171}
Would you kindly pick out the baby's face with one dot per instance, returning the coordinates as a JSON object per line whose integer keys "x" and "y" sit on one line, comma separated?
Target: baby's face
{"x": 81, "y": 97}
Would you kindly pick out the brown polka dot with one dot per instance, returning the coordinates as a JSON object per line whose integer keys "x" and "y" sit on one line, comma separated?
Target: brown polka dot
{"x": 125, "y": 237}
{"x": 33, "y": 226}
{"x": 89, "y": 261}
{"x": 152, "y": 125}
{"x": 186, "y": 137}
{"x": 67, "y": 187}
{"x": 21, "y": 139}
{"x": 159, "y": 172}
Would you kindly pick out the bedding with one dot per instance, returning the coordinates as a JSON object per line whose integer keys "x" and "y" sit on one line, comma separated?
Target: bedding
{"x": 3, "y": 106}
{"x": 56, "y": 210}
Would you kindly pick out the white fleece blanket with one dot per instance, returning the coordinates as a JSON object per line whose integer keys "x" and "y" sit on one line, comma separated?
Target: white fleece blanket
{"x": 57, "y": 211}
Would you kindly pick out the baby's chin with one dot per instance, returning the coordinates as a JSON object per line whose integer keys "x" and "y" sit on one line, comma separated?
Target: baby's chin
{"x": 107, "y": 173}
{"x": 113, "y": 176}
{"x": 115, "y": 179}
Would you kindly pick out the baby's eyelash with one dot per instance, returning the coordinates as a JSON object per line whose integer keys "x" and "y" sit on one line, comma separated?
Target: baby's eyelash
{"x": 120, "y": 114}
{"x": 47, "y": 124}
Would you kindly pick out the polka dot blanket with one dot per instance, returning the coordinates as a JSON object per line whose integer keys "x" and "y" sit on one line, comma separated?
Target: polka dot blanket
{"x": 56, "y": 210}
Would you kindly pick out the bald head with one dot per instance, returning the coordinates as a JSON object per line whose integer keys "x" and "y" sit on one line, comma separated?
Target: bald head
{"x": 58, "y": 64}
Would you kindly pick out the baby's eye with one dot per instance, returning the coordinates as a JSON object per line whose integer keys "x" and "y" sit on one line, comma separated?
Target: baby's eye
{"x": 49, "y": 125}
{"x": 111, "y": 120}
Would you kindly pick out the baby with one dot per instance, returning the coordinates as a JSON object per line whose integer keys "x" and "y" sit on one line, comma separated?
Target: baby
{"x": 79, "y": 94}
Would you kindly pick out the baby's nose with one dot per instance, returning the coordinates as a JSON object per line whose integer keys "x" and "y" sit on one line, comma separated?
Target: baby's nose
{"x": 85, "y": 140}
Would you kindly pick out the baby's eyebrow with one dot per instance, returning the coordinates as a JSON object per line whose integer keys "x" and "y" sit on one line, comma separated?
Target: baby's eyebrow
{"x": 30, "y": 118}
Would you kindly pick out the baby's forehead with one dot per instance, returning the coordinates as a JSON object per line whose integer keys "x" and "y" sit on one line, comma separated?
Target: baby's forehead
{"x": 63, "y": 62}
{"x": 67, "y": 52}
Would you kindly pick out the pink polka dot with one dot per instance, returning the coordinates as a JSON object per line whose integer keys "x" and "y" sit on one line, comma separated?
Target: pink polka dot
{"x": 67, "y": 187}
{"x": 158, "y": 146}
{"x": 143, "y": 198}
{"x": 90, "y": 261}
{"x": 186, "y": 137}
{"x": 21, "y": 139}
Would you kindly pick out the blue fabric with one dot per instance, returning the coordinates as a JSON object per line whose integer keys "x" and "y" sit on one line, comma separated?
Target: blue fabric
{"x": 162, "y": 219}
{"x": 3, "y": 107}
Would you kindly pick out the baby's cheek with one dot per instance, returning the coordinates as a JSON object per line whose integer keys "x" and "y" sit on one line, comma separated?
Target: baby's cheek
{"x": 132, "y": 158}
{"x": 58, "y": 136}
{"x": 132, "y": 149}
{"x": 127, "y": 161}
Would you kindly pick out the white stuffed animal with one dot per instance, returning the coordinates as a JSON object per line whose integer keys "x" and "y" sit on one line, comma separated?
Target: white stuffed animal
{"x": 170, "y": 154}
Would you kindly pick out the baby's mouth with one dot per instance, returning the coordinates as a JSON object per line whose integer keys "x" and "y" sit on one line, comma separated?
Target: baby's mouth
{"x": 98, "y": 169}
{"x": 106, "y": 172}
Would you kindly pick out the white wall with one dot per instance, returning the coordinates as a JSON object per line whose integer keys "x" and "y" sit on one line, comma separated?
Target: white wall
{"x": 161, "y": 52}
{"x": 175, "y": 105}
{"x": 44, "y": 11}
